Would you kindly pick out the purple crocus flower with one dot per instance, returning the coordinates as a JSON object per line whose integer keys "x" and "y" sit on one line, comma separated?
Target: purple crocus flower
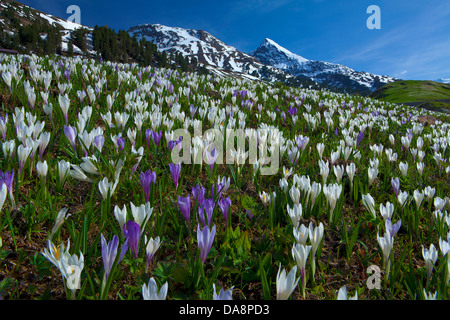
{"x": 393, "y": 228}
{"x": 211, "y": 157}
{"x": 185, "y": 207}
{"x": 206, "y": 208}
{"x": 99, "y": 141}
{"x": 67, "y": 74}
{"x": 205, "y": 239}
{"x": 132, "y": 233}
{"x": 292, "y": 110}
{"x": 71, "y": 134}
{"x": 336, "y": 131}
{"x": 175, "y": 170}
{"x": 224, "y": 206}
{"x": 395, "y": 182}
{"x": 156, "y": 138}
{"x": 217, "y": 190}
{"x": 249, "y": 214}
{"x": 193, "y": 110}
{"x": 148, "y": 135}
{"x": 147, "y": 178}
{"x": 109, "y": 253}
{"x": 7, "y": 178}
{"x": 121, "y": 143}
{"x": 198, "y": 193}
{"x": 173, "y": 143}
{"x": 301, "y": 142}
{"x": 223, "y": 294}
{"x": 360, "y": 137}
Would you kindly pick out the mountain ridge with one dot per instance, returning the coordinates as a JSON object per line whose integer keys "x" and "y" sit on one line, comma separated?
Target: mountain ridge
{"x": 269, "y": 58}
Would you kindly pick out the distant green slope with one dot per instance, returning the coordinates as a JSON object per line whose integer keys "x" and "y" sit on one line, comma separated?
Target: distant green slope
{"x": 427, "y": 94}
{"x": 412, "y": 91}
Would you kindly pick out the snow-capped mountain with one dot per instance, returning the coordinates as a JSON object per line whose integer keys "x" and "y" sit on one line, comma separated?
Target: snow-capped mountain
{"x": 331, "y": 74}
{"x": 269, "y": 61}
{"x": 209, "y": 50}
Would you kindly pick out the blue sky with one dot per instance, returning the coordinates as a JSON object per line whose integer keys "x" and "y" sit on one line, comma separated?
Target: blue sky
{"x": 413, "y": 42}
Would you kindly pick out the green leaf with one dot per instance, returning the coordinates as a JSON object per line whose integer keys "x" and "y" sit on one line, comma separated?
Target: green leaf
{"x": 265, "y": 285}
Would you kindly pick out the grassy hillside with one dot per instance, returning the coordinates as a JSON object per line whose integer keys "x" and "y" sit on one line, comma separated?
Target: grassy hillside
{"x": 427, "y": 94}
{"x": 412, "y": 91}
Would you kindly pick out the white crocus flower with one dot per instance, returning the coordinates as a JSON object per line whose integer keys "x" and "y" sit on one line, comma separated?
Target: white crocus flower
{"x": 338, "y": 172}
{"x": 151, "y": 248}
{"x": 403, "y": 166}
{"x": 369, "y": 203}
{"x": 332, "y": 192}
{"x": 439, "y": 203}
{"x": 265, "y": 197}
{"x": 430, "y": 256}
{"x": 324, "y": 170}
{"x": 372, "y": 173}
{"x": 286, "y": 284}
{"x": 42, "y": 169}
{"x": 287, "y": 172}
{"x": 386, "y": 244}
{"x": 151, "y": 292}
{"x": 402, "y": 197}
{"x": 320, "y": 148}
{"x": 88, "y": 165}
{"x": 105, "y": 186}
{"x": 301, "y": 234}
{"x": 351, "y": 169}
{"x": 315, "y": 236}
{"x": 294, "y": 193}
{"x": 284, "y": 184}
{"x": 3, "y": 193}
{"x": 342, "y": 294}
{"x": 418, "y": 197}
{"x": 78, "y": 174}
{"x": 295, "y": 214}
{"x": 59, "y": 221}
{"x": 23, "y": 153}
{"x": 300, "y": 254}
{"x": 420, "y": 166}
{"x": 429, "y": 296}
{"x": 121, "y": 216}
{"x": 63, "y": 170}
{"x": 387, "y": 211}
{"x": 64, "y": 103}
{"x": 313, "y": 192}
{"x": 429, "y": 192}
{"x": 141, "y": 214}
